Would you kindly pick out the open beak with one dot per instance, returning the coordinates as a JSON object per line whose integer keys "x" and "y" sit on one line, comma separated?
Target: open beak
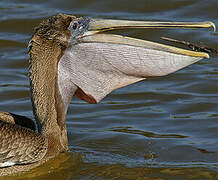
{"x": 96, "y": 27}
{"x": 99, "y": 62}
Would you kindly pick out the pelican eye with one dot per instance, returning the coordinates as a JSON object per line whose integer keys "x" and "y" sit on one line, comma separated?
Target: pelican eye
{"x": 75, "y": 25}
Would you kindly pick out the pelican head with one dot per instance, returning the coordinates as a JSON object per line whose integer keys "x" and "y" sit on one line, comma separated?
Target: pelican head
{"x": 98, "y": 62}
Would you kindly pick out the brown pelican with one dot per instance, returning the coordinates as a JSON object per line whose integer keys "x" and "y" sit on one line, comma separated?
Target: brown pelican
{"x": 73, "y": 56}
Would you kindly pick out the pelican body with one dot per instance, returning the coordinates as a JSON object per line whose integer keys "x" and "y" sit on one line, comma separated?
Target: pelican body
{"x": 73, "y": 56}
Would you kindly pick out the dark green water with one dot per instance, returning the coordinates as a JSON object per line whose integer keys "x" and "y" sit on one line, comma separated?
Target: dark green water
{"x": 164, "y": 128}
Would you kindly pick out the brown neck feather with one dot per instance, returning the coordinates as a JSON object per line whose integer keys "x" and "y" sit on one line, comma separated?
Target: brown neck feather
{"x": 47, "y": 47}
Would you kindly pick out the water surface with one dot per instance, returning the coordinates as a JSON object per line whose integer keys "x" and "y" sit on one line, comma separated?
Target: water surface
{"x": 163, "y": 128}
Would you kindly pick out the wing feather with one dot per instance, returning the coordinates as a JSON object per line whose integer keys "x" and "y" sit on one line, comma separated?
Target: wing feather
{"x": 19, "y": 145}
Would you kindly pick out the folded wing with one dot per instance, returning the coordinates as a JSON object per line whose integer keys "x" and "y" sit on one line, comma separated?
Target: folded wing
{"x": 19, "y": 145}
